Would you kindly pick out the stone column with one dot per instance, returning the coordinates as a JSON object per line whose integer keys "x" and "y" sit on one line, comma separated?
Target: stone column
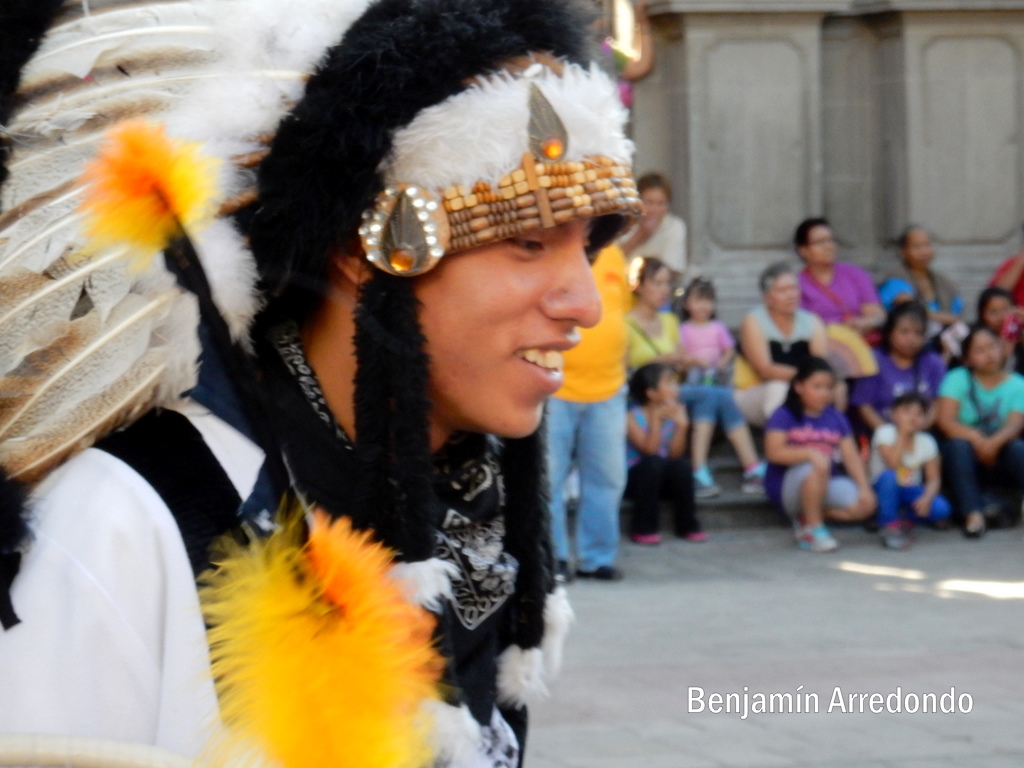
{"x": 748, "y": 131}
{"x": 961, "y": 122}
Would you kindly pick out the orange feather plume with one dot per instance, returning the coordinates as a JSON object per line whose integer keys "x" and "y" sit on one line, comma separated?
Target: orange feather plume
{"x": 320, "y": 660}
{"x": 144, "y": 188}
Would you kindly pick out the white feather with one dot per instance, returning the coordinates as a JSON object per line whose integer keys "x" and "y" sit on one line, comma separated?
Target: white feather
{"x": 44, "y": 246}
{"x": 109, "y": 284}
{"x": 145, "y": 344}
{"x": 34, "y": 316}
{"x": 231, "y": 270}
{"x": 259, "y": 37}
{"x": 34, "y": 212}
{"x": 426, "y": 582}
{"x": 103, "y": 99}
{"x": 178, "y": 338}
{"x": 45, "y": 174}
{"x": 202, "y": 116}
{"x": 75, "y": 47}
{"x": 109, "y": 354}
{"x": 28, "y": 458}
{"x": 448, "y": 144}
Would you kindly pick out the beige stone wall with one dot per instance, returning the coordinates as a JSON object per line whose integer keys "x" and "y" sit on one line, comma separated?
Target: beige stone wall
{"x": 876, "y": 113}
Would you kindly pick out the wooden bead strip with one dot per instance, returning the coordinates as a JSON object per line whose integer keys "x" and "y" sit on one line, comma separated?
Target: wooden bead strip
{"x": 537, "y": 195}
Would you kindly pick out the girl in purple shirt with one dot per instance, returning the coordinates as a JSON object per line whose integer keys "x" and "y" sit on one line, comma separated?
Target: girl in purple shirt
{"x": 805, "y": 442}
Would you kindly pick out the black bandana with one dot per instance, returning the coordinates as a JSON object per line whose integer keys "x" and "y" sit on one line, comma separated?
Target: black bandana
{"x": 469, "y": 512}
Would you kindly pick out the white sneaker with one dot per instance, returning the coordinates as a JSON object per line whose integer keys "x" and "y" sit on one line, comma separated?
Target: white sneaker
{"x": 817, "y": 539}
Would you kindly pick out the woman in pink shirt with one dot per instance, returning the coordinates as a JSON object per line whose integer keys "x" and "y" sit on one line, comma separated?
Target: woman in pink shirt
{"x": 836, "y": 291}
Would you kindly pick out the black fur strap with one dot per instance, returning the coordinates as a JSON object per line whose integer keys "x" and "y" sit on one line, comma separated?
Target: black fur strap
{"x": 173, "y": 458}
{"x": 9, "y": 564}
{"x": 13, "y": 534}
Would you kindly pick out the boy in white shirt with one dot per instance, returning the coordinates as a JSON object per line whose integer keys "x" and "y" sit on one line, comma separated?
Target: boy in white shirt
{"x": 905, "y": 473}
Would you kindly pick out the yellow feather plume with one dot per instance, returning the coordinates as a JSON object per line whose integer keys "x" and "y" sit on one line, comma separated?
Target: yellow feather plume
{"x": 319, "y": 659}
{"x": 143, "y": 189}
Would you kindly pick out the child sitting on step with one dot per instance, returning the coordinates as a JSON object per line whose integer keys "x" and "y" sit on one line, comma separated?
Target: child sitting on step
{"x": 806, "y": 441}
{"x": 905, "y": 472}
{"x": 659, "y": 468}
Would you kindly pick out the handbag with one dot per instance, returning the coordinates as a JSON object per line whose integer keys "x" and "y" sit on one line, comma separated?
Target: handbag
{"x": 989, "y": 419}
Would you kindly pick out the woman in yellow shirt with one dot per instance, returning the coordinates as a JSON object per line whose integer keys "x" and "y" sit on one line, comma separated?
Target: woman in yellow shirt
{"x": 654, "y": 338}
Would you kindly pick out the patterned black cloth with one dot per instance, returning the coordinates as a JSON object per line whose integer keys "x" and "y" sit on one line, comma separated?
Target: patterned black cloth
{"x": 469, "y": 517}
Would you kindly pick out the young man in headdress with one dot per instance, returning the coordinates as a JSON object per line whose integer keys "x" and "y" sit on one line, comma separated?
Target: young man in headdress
{"x": 422, "y": 222}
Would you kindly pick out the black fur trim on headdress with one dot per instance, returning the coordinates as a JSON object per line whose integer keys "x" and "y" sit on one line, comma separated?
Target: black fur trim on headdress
{"x": 400, "y": 57}
{"x": 22, "y": 26}
{"x": 13, "y": 531}
{"x": 529, "y": 534}
{"x": 392, "y": 429}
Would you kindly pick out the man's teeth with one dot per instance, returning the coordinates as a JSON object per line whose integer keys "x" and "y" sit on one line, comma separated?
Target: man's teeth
{"x": 549, "y": 359}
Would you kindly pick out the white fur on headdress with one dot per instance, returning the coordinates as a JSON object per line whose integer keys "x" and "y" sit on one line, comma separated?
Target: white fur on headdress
{"x": 481, "y": 133}
{"x": 524, "y": 673}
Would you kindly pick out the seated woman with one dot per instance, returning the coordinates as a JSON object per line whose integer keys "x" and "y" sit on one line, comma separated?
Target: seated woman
{"x": 659, "y": 234}
{"x": 806, "y": 440}
{"x": 915, "y": 279}
{"x": 654, "y": 338}
{"x": 997, "y": 312}
{"x": 981, "y": 414}
{"x": 775, "y": 338}
{"x": 904, "y": 365}
{"x": 835, "y": 291}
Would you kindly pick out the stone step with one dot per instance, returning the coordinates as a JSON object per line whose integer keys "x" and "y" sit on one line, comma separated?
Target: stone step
{"x": 729, "y": 510}
{"x": 732, "y": 509}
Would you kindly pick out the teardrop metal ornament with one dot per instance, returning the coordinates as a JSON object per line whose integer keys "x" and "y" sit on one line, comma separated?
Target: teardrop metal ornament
{"x": 406, "y": 232}
{"x": 403, "y": 243}
{"x": 548, "y": 138}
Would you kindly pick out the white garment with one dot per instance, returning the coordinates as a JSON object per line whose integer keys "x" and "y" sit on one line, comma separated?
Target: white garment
{"x": 909, "y": 472}
{"x": 111, "y": 642}
{"x": 667, "y": 243}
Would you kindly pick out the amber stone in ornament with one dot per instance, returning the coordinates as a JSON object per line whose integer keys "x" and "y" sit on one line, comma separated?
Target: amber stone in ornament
{"x": 548, "y": 137}
{"x": 401, "y": 260}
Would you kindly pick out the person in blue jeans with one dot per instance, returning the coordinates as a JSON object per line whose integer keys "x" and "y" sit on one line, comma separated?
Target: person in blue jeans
{"x": 905, "y": 472}
{"x": 586, "y": 427}
{"x": 981, "y": 415}
{"x": 589, "y": 435}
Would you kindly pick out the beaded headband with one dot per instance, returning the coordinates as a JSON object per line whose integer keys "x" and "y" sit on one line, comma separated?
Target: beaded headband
{"x": 412, "y": 225}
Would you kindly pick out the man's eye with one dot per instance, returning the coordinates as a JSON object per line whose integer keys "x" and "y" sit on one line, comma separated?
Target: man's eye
{"x": 527, "y": 245}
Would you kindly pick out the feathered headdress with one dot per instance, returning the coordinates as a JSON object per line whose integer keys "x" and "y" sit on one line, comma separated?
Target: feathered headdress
{"x": 427, "y": 126}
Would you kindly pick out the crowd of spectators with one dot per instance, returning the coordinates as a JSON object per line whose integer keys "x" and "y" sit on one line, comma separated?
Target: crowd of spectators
{"x": 878, "y": 403}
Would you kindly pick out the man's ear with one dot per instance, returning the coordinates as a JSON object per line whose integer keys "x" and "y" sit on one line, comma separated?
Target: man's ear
{"x": 349, "y": 261}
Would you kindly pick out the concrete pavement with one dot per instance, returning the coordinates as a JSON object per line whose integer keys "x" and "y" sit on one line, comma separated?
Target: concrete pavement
{"x": 747, "y": 609}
